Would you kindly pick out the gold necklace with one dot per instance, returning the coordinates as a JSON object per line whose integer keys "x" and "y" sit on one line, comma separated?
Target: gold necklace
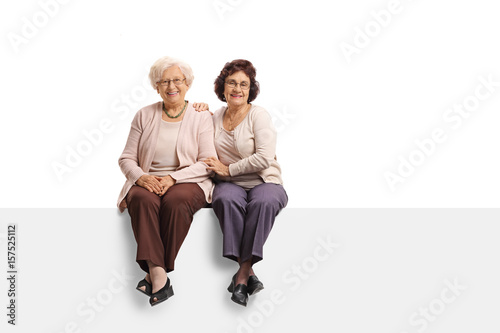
{"x": 237, "y": 117}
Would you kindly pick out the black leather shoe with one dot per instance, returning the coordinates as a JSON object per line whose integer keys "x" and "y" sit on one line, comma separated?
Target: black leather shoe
{"x": 162, "y": 295}
{"x": 231, "y": 285}
{"x": 240, "y": 295}
{"x": 147, "y": 287}
{"x": 254, "y": 285}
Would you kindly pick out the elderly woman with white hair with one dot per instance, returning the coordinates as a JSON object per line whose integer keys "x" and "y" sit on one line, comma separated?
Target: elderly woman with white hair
{"x": 167, "y": 182}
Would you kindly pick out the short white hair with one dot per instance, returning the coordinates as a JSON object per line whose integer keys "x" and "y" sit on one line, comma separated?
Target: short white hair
{"x": 162, "y": 64}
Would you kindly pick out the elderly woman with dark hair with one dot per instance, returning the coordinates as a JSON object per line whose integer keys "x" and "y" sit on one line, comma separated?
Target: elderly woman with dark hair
{"x": 167, "y": 182}
{"x": 249, "y": 194}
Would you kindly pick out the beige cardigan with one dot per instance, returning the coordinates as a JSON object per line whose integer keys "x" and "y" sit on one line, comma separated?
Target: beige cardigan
{"x": 255, "y": 142}
{"x": 194, "y": 144}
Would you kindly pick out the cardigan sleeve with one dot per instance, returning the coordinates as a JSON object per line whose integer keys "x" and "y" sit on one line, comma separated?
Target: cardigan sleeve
{"x": 197, "y": 172}
{"x": 129, "y": 159}
{"x": 265, "y": 146}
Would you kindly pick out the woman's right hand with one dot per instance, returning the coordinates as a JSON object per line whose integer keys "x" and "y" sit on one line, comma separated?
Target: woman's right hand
{"x": 150, "y": 183}
{"x": 216, "y": 166}
{"x": 200, "y": 107}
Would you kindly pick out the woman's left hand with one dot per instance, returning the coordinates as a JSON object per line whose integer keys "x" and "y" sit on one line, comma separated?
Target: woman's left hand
{"x": 216, "y": 166}
{"x": 200, "y": 107}
{"x": 165, "y": 183}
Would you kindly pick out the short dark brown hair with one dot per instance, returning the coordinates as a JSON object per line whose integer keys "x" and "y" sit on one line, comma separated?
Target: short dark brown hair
{"x": 229, "y": 69}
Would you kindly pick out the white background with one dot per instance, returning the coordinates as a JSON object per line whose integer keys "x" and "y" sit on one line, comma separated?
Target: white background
{"x": 342, "y": 124}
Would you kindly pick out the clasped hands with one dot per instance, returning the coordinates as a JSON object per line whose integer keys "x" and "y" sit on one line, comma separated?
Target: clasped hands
{"x": 160, "y": 185}
{"x": 155, "y": 184}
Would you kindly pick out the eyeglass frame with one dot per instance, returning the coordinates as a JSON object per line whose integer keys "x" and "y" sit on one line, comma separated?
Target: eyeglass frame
{"x": 238, "y": 84}
{"x": 163, "y": 84}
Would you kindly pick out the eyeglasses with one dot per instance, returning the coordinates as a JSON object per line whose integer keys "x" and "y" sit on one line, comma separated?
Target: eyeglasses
{"x": 166, "y": 83}
{"x": 243, "y": 85}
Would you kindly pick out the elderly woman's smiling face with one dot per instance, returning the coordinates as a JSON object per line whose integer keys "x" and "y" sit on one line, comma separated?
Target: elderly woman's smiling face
{"x": 171, "y": 93}
{"x": 236, "y": 96}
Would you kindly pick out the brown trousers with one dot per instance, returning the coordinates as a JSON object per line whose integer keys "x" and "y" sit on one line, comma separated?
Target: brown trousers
{"x": 160, "y": 224}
